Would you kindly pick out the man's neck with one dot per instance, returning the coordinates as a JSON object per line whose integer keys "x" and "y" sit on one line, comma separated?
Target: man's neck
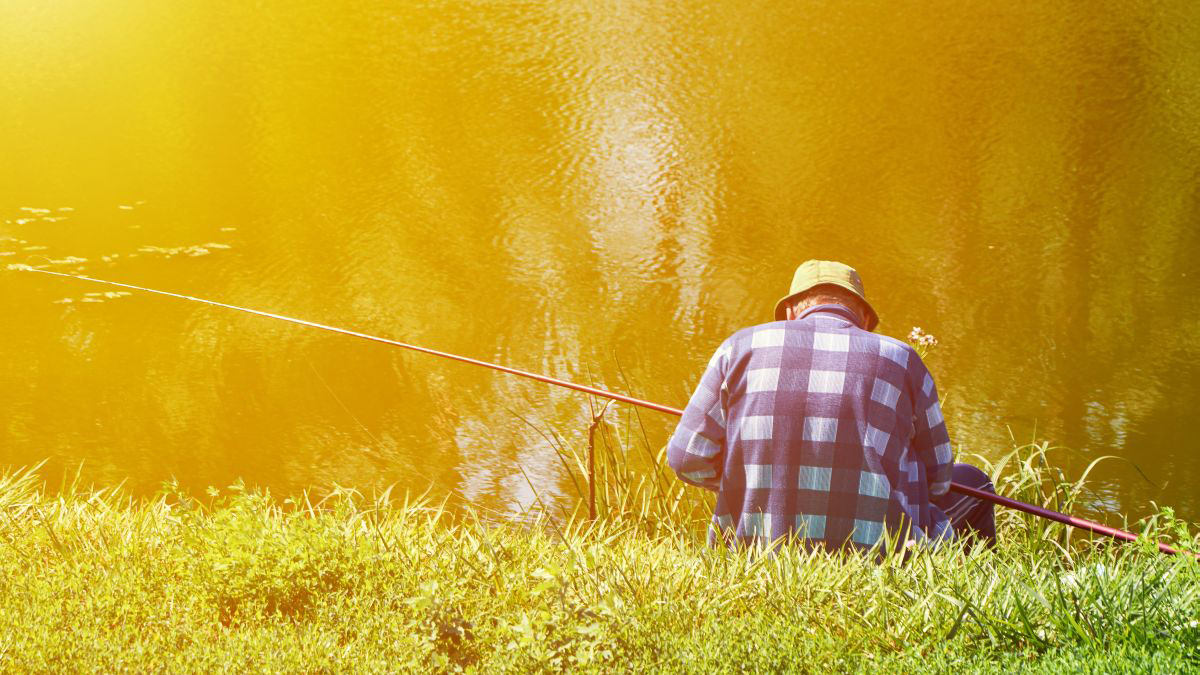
{"x": 834, "y": 309}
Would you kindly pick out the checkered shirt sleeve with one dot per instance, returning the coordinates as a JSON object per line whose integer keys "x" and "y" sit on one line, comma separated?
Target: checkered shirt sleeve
{"x": 931, "y": 440}
{"x": 696, "y": 451}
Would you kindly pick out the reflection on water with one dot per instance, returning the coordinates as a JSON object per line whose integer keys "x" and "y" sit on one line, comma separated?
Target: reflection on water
{"x": 584, "y": 190}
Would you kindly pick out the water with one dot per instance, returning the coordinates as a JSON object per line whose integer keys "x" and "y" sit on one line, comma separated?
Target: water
{"x": 582, "y": 189}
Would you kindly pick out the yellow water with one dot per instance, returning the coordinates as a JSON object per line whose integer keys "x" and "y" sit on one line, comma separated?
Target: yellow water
{"x": 580, "y": 188}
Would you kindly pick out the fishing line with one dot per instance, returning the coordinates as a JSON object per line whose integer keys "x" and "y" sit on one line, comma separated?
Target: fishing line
{"x": 1048, "y": 514}
{"x": 378, "y": 445}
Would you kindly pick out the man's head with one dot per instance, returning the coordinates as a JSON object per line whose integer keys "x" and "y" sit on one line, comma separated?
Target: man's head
{"x": 828, "y": 294}
{"x": 819, "y": 282}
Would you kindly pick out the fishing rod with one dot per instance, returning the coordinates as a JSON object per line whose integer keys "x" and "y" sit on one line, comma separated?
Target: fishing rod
{"x": 395, "y": 343}
{"x": 1048, "y": 514}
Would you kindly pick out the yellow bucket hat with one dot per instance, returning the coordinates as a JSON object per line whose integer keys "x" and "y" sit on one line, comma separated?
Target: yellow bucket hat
{"x": 812, "y": 273}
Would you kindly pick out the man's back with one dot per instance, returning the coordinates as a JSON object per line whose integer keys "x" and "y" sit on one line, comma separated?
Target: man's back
{"x": 816, "y": 427}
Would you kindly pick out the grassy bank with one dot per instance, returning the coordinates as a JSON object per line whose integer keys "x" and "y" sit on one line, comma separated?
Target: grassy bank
{"x": 240, "y": 582}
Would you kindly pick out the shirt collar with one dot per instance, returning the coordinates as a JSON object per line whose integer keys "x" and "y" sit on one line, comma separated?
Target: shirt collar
{"x": 832, "y": 310}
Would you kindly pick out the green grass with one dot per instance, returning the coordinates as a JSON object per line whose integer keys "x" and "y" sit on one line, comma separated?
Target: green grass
{"x": 238, "y": 581}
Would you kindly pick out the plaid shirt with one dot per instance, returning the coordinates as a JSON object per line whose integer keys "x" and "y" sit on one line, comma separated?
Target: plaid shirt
{"x": 818, "y": 428}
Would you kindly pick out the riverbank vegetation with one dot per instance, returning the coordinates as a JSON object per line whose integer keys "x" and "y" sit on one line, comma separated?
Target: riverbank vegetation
{"x": 239, "y": 581}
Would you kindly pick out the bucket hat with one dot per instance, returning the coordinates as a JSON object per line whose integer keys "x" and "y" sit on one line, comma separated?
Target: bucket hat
{"x": 813, "y": 273}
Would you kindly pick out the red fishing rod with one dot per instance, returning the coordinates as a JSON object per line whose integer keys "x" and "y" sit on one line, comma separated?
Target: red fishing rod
{"x": 1048, "y": 514}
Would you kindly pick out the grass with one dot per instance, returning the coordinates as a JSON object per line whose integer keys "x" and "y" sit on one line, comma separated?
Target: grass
{"x": 240, "y": 581}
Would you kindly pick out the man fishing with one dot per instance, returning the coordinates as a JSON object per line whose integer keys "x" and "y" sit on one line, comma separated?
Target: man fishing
{"x": 812, "y": 426}
{"x": 825, "y": 443}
